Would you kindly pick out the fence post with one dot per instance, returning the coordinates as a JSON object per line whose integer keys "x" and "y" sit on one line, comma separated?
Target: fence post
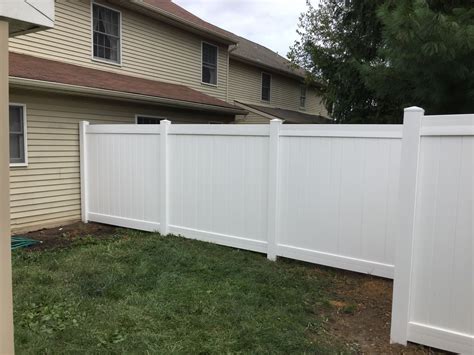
{"x": 410, "y": 152}
{"x": 164, "y": 171}
{"x": 84, "y": 183}
{"x": 273, "y": 187}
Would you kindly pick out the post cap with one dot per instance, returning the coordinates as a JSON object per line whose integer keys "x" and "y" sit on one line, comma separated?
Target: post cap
{"x": 165, "y": 122}
{"x": 413, "y": 109}
{"x": 276, "y": 120}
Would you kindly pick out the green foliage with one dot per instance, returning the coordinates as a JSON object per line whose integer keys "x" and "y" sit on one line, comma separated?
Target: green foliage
{"x": 375, "y": 57}
{"x": 144, "y": 293}
{"x": 429, "y": 55}
{"x": 337, "y": 38}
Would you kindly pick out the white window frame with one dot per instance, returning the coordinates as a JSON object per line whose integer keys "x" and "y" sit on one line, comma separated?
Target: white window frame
{"x": 161, "y": 118}
{"x": 261, "y": 87}
{"x": 217, "y": 63}
{"x": 102, "y": 60}
{"x": 25, "y": 137}
{"x": 305, "y": 88}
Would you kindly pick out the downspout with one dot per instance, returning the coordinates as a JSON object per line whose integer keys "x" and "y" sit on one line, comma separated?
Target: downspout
{"x": 230, "y": 49}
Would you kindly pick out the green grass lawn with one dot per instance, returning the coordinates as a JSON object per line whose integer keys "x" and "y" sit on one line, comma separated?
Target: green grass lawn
{"x": 143, "y": 293}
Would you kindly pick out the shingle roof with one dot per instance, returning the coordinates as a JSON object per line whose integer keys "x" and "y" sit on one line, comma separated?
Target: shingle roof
{"x": 246, "y": 50}
{"x": 288, "y": 115}
{"x": 28, "y": 67}
{"x": 258, "y": 54}
{"x": 176, "y": 10}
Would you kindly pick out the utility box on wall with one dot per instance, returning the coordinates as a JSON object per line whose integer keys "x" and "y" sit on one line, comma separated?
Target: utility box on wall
{"x": 27, "y": 15}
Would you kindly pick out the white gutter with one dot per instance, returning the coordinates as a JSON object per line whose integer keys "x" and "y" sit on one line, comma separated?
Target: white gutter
{"x": 23, "y": 83}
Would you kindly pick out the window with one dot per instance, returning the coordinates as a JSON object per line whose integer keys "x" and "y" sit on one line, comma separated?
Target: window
{"x": 209, "y": 64}
{"x": 149, "y": 119}
{"x": 106, "y": 32}
{"x": 266, "y": 85}
{"x": 303, "y": 96}
{"x": 17, "y": 135}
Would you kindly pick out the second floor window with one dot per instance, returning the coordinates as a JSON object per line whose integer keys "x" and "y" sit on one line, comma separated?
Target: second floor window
{"x": 209, "y": 64}
{"x": 266, "y": 86}
{"x": 303, "y": 97}
{"x": 106, "y": 28}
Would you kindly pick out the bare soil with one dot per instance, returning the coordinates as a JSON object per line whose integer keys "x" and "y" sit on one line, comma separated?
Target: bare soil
{"x": 361, "y": 304}
{"x": 65, "y": 236}
{"x": 361, "y": 314}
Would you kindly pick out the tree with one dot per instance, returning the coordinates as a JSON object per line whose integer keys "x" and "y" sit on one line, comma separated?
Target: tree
{"x": 428, "y": 51}
{"x": 336, "y": 39}
{"x": 375, "y": 57}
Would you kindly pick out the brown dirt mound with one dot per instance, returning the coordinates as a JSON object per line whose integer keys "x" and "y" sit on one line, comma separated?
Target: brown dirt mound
{"x": 65, "y": 236}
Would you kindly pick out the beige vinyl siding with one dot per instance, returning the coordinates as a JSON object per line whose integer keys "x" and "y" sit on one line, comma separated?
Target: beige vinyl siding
{"x": 252, "y": 118}
{"x": 150, "y": 48}
{"x": 245, "y": 84}
{"x": 47, "y": 192}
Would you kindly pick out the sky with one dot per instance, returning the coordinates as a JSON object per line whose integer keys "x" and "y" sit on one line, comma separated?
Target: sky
{"x": 271, "y": 23}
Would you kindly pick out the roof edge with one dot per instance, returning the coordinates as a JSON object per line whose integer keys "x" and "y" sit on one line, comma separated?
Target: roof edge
{"x": 177, "y": 19}
{"x": 51, "y": 86}
{"x": 261, "y": 113}
{"x": 255, "y": 109}
{"x": 264, "y": 66}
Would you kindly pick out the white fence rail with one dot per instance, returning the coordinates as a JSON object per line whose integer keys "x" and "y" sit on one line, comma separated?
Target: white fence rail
{"x": 346, "y": 196}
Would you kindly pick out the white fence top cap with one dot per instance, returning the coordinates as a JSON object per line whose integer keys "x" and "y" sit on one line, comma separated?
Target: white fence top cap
{"x": 414, "y": 109}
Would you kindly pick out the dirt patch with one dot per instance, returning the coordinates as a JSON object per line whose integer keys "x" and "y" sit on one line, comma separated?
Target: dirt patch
{"x": 65, "y": 236}
{"x": 361, "y": 313}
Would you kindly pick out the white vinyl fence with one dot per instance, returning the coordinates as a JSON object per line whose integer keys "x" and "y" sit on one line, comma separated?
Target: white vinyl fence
{"x": 347, "y": 196}
{"x": 320, "y": 193}
{"x": 433, "y": 300}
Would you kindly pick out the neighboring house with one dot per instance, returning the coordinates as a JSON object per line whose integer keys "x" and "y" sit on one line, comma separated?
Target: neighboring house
{"x": 114, "y": 61}
{"x": 265, "y": 84}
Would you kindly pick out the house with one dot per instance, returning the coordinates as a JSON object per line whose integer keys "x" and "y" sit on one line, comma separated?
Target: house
{"x": 136, "y": 61}
{"x": 267, "y": 86}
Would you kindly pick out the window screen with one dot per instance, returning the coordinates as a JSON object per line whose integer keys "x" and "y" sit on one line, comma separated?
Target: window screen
{"x": 266, "y": 85}
{"x": 106, "y": 26}
{"x": 209, "y": 64}
{"x": 17, "y": 135}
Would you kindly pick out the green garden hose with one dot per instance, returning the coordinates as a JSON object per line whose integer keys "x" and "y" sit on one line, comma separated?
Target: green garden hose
{"x": 20, "y": 242}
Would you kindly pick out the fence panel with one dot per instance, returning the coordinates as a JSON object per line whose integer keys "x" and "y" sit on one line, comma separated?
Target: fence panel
{"x": 434, "y": 292}
{"x": 218, "y": 188}
{"x": 339, "y": 194}
{"x": 123, "y": 176}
